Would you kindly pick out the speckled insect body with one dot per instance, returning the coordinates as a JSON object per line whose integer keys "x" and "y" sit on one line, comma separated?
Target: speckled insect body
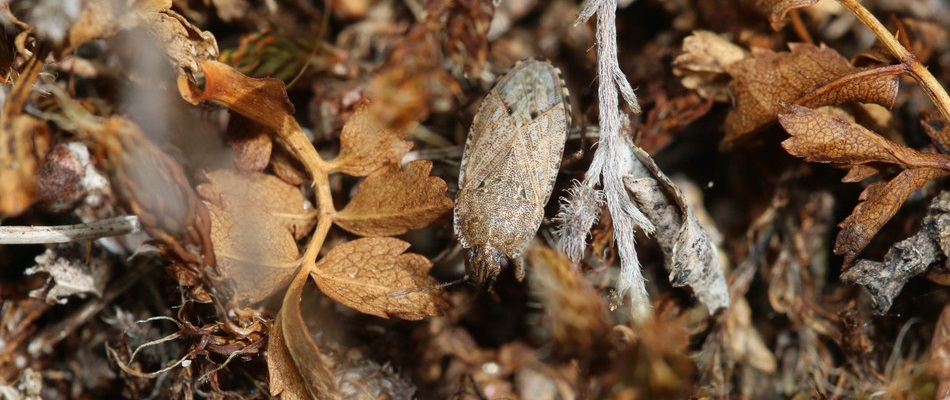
{"x": 508, "y": 169}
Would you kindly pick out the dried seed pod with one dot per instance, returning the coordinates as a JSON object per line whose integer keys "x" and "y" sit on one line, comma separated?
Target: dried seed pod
{"x": 508, "y": 168}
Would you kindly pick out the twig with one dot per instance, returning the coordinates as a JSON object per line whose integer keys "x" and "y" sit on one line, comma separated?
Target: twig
{"x": 920, "y": 73}
{"x": 70, "y": 233}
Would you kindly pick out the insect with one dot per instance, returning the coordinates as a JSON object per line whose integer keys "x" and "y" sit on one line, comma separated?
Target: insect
{"x": 509, "y": 165}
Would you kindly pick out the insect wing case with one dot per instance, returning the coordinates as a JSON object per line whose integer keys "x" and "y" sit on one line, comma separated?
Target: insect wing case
{"x": 511, "y": 160}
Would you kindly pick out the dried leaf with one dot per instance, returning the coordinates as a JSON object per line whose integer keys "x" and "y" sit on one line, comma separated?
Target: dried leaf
{"x": 255, "y": 222}
{"x": 776, "y": 10}
{"x": 393, "y": 201}
{"x": 366, "y": 145}
{"x": 184, "y": 44}
{"x": 251, "y": 144}
{"x": 808, "y": 75}
{"x": 263, "y": 101}
{"x": 879, "y": 202}
{"x": 70, "y": 274}
{"x": 820, "y": 137}
{"x": 691, "y": 257}
{"x": 702, "y": 64}
{"x": 295, "y": 365}
{"x": 362, "y": 274}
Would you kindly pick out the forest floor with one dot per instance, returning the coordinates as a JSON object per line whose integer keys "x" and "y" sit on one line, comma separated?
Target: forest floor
{"x": 255, "y": 199}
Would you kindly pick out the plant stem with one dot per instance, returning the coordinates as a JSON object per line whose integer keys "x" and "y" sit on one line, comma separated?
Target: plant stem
{"x": 920, "y": 73}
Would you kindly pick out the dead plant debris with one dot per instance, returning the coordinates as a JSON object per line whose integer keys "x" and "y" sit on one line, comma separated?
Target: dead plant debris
{"x": 253, "y": 199}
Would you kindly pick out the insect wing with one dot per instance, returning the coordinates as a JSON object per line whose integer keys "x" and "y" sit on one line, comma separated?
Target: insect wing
{"x": 518, "y": 134}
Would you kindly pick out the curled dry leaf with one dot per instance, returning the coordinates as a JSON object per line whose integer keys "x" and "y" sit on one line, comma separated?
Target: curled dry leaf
{"x": 394, "y": 200}
{"x": 71, "y": 273}
{"x": 366, "y": 145}
{"x": 297, "y": 368}
{"x": 702, "y": 64}
{"x": 776, "y": 10}
{"x": 820, "y": 137}
{"x": 185, "y": 44}
{"x": 251, "y": 144}
{"x": 691, "y": 256}
{"x": 879, "y": 202}
{"x": 905, "y": 259}
{"x": 807, "y": 75}
{"x": 362, "y": 274}
{"x": 256, "y": 220}
{"x": 263, "y": 101}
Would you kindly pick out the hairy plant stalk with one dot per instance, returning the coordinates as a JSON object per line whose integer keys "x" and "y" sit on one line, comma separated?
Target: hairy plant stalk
{"x": 612, "y": 160}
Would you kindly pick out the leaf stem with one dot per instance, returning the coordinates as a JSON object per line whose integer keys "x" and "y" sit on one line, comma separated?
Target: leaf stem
{"x": 920, "y": 73}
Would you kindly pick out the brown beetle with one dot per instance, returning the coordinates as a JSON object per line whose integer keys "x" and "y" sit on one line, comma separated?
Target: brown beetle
{"x": 510, "y": 162}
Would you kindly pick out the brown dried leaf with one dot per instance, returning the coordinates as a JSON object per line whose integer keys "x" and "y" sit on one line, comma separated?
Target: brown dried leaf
{"x": 879, "y": 202}
{"x": 808, "y": 75}
{"x": 295, "y": 365}
{"x": 702, "y": 64}
{"x": 362, "y": 274}
{"x": 256, "y": 220}
{"x": 251, "y": 144}
{"x": 393, "y": 201}
{"x": 905, "y": 259}
{"x": 366, "y": 145}
{"x": 824, "y": 138}
{"x": 819, "y": 137}
{"x": 776, "y": 10}
{"x": 185, "y": 44}
{"x": 263, "y": 101}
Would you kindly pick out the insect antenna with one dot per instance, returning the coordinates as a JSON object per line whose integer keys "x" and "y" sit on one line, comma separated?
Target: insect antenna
{"x": 428, "y": 288}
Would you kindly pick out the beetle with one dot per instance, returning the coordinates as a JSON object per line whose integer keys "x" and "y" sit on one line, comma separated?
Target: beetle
{"x": 509, "y": 165}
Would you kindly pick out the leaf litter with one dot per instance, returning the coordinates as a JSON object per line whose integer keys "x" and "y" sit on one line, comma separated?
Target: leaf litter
{"x": 303, "y": 128}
